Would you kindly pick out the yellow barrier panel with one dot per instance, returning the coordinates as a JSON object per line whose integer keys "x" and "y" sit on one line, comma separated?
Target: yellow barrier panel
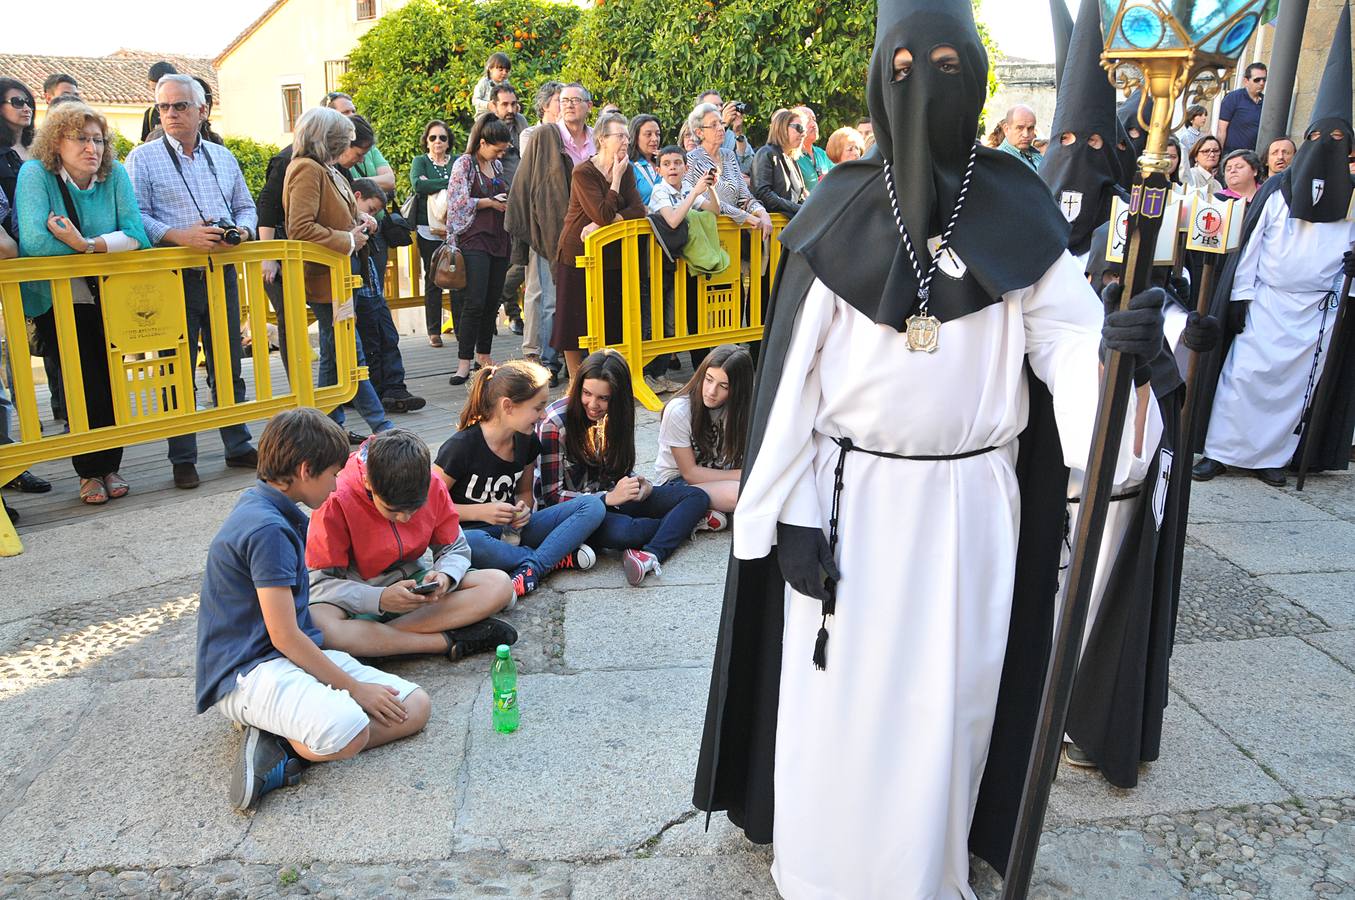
{"x": 728, "y": 305}
{"x": 145, "y": 322}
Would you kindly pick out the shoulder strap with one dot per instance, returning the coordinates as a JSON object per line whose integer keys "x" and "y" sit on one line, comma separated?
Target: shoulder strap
{"x": 70, "y": 204}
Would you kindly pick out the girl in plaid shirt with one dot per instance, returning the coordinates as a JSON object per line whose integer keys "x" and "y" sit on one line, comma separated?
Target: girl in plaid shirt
{"x": 588, "y": 447}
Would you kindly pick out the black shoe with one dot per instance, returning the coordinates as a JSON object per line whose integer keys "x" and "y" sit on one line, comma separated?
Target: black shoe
{"x": 12, "y": 513}
{"x": 1076, "y": 756}
{"x": 402, "y": 402}
{"x": 1207, "y": 468}
{"x": 247, "y": 460}
{"x": 517, "y": 326}
{"x": 555, "y": 378}
{"x": 29, "y": 483}
{"x": 482, "y": 637}
{"x": 458, "y": 379}
{"x": 186, "y": 476}
{"x": 1272, "y": 477}
{"x": 354, "y": 439}
{"x": 264, "y": 763}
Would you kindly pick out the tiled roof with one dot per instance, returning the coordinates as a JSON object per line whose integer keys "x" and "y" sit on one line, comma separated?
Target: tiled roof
{"x": 119, "y": 77}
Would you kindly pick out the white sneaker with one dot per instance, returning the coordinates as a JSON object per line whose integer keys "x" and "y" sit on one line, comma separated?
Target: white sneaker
{"x": 638, "y": 564}
{"x": 582, "y": 558}
{"x": 713, "y": 521}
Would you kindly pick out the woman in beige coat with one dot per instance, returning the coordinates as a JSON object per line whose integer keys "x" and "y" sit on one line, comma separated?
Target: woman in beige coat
{"x": 320, "y": 207}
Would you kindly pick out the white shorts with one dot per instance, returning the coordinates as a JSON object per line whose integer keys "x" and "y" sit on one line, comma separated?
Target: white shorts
{"x": 280, "y": 697}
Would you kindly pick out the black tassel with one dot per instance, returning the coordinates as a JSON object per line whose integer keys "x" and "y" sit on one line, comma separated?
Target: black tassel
{"x": 821, "y": 650}
{"x": 830, "y": 605}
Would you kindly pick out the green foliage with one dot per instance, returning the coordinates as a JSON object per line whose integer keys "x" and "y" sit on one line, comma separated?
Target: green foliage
{"x": 423, "y": 61}
{"x": 253, "y": 157}
{"x": 121, "y": 146}
{"x": 657, "y": 55}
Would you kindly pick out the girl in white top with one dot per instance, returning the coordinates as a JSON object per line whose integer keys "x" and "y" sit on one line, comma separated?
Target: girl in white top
{"x": 704, "y": 431}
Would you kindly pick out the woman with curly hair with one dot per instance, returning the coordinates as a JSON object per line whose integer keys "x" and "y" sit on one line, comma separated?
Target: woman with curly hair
{"x": 73, "y": 197}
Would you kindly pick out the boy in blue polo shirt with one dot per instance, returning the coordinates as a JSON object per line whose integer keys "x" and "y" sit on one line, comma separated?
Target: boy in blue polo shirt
{"x": 259, "y": 659}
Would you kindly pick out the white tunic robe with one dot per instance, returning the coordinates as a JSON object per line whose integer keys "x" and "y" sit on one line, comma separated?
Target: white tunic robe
{"x": 1286, "y": 270}
{"x": 879, "y": 758}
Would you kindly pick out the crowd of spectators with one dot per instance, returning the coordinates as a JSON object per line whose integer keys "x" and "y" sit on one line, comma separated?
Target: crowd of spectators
{"x": 517, "y": 204}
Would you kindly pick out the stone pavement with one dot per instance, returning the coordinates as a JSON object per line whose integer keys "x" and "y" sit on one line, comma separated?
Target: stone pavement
{"x": 113, "y": 787}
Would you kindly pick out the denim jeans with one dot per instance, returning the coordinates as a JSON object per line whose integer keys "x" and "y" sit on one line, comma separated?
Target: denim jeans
{"x": 656, "y": 524}
{"x": 365, "y": 401}
{"x": 380, "y": 343}
{"x": 236, "y": 438}
{"x": 549, "y": 536}
{"x": 543, "y": 298}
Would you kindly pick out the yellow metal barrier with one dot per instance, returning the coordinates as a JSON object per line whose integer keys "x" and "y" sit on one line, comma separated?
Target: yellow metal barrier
{"x": 728, "y": 304}
{"x": 145, "y": 321}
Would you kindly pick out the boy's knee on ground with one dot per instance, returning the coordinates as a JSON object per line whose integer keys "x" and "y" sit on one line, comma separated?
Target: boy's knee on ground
{"x": 353, "y": 747}
{"x": 419, "y": 706}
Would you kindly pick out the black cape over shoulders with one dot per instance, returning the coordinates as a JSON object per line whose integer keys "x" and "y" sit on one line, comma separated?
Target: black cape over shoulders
{"x": 735, "y": 771}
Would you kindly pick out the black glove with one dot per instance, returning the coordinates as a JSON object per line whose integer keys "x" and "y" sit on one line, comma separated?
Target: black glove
{"x": 1201, "y": 333}
{"x": 1348, "y": 264}
{"x": 1237, "y": 316}
{"x": 1136, "y": 330}
{"x": 806, "y": 563}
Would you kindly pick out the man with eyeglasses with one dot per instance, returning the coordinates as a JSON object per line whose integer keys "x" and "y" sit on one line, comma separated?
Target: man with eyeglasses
{"x": 188, "y": 189}
{"x": 1240, "y": 112}
{"x": 575, "y": 106}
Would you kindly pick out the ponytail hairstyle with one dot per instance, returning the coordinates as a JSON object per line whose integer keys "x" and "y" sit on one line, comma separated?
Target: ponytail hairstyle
{"x": 606, "y": 447}
{"x": 517, "y": 379}
{"x": 726, "y": 442}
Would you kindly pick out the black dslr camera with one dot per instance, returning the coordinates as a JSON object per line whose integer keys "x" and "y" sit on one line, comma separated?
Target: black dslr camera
{"x": 740, "y": 107}
{"x": 231, "y": 232}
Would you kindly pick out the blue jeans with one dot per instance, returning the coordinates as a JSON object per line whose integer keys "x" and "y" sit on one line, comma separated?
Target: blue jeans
{"x": 550, "y": 535}
{"x": 380, "y": 342}
{"x": 655, "y": 524}
{"x": 236, "y": 438}
{"x": 365, "y": 401}
{"x": 545, "y": 304}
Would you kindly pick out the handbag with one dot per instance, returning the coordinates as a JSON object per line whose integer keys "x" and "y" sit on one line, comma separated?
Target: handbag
{"x": 447, "y": 267}
{"x": 437, "y": 213}
{"x": 407, "y": 208}
{"x": 396, "y": 230}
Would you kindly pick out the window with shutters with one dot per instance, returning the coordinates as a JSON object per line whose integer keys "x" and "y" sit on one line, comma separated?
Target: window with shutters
{"x": 334, "y": 68}
{"x": 291, "y": 106}
{"x": 366, "y": 9}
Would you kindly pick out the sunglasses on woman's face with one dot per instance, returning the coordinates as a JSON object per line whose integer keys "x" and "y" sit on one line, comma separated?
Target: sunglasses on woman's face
{"x": 440, "y": 138}
{"x": 796, "y": 126}
{"x": 19, "y": 103}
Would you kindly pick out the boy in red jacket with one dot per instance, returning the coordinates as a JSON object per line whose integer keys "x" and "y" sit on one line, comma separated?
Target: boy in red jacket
{"x": 388, "y": 528}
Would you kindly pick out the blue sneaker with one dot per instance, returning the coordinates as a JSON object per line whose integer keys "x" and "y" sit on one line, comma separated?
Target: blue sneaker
{"x": 263, "y": 764}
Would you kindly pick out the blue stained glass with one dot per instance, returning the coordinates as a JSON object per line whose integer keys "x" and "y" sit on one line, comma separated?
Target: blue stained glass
{"x": 1141, "y": 28}
{"x": 1204, "y": 22}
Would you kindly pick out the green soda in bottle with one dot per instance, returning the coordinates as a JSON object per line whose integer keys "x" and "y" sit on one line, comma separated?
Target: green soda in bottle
{"x": 504, "y": 676}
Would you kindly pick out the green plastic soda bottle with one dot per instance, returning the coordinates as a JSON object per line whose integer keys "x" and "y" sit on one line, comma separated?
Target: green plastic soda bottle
{"x": 504, "y": 676}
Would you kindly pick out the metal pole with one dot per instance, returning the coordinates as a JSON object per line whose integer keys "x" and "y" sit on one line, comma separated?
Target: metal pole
{"x": 1284, "y": 64}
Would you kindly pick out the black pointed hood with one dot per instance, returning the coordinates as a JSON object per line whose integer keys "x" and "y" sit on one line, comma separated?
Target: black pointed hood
{"x": 1319, "y": 182}
{"x": 1083, "y": 178}
{"x": 1063, "y": 35}
{"x": 1009, "y": 232}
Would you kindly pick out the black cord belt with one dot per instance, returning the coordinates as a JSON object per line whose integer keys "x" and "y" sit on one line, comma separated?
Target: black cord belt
{"x": 846, "y": 446}
{"x": 1115, "y": 498}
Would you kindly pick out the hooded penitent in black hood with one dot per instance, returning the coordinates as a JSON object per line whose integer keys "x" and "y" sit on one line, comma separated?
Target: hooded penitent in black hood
{"x": 1082, "y": 177}
{"x": 1319, "y": 176}
{"x": 1009, "y": 231}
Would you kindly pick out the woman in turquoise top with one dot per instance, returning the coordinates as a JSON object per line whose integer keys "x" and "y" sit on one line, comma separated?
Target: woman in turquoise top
{"x": 73, "y": 197}
{"x": 645, "y": 140}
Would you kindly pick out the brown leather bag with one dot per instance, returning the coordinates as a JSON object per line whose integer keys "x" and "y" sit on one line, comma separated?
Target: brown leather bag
{"x": 448, "y": 268}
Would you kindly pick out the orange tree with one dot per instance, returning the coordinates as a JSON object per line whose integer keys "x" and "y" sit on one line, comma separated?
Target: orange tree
{"x": 423, "y": 60}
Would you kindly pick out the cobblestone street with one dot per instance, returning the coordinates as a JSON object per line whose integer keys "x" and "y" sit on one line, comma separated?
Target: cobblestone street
{"x": 113, "y": 787}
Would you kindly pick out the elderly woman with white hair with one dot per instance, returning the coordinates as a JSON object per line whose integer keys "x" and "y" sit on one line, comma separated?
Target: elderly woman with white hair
{"x": 320, "y": 207}
{"x": 736, "y": 200}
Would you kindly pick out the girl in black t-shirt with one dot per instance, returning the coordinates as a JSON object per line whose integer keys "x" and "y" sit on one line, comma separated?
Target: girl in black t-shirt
{"x": 489, "y": 466}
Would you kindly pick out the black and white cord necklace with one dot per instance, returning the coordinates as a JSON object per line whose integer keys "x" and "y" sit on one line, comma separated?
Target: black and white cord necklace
{"x": 924, "y": 329}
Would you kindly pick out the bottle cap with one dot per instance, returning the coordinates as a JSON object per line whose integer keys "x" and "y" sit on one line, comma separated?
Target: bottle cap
{"x": 501, "y": 651}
